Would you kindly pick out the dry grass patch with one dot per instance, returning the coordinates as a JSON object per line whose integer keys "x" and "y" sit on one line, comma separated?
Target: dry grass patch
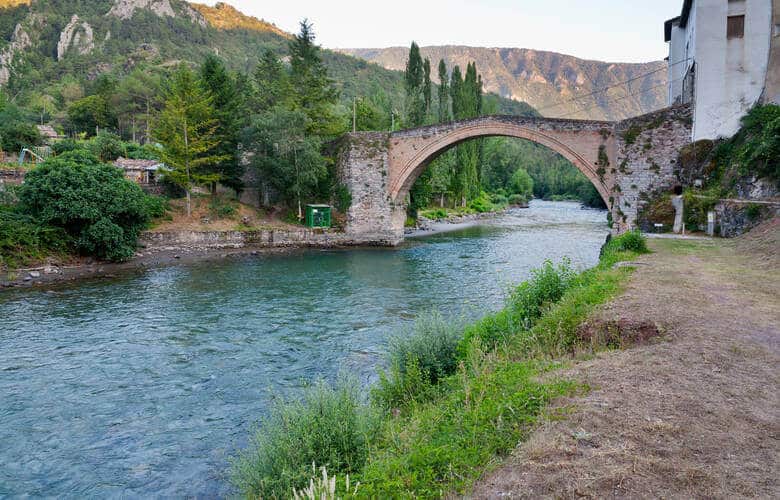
{"x": 695, "y": 416}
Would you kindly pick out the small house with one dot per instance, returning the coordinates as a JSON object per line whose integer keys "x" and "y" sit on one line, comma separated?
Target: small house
{"x": 48, "y": 134}
{"x": 143, "y": 172}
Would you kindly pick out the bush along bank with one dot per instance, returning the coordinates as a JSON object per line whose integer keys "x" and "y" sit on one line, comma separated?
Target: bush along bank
{"x": 452, "y": 399}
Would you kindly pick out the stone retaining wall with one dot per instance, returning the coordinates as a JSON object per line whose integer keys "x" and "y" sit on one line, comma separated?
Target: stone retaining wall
{"x": 647, "y": 150}
{"x": 11, "y": 176}
{"x": 265, "y": 238}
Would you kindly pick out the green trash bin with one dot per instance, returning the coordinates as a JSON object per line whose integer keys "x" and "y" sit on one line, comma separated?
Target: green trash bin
{"x": 318, "y": 215}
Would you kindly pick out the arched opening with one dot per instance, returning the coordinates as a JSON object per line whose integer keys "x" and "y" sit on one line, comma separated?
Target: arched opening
{"x": 413, "y": 164}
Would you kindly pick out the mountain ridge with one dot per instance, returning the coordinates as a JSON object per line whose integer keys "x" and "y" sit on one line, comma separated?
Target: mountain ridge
{"x": 549, "y": 81}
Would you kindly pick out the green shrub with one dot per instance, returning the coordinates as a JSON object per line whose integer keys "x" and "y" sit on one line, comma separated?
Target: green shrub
{"x": 106, "y": 146}
{"x": 518, "y": 200}
{"x": 631, "y": 134}
{"x": 499, "y": 199}
{"x": 753, "y": 212}
{"x": 435, "y": 214}
{"x": 328, "y": 426}
{"x": 525, "y": 304}
{"x": 23, "y": 240}
{"x": 223, "y": 208}
{"x": 445, "y": 444}
{"x": 65, "y": 145}
{"x": 481, "y": 204}
{"x": 616, "y": 248}
{"x": 419, "y": 359}
{"x": 156, "y": 206}
{"x": 521, "y": 183}
{"x": 546, "y": 286}
{"x": 137, "y": 152}
{"x": 15, "y": 135}
{"x": 92, "y": 202}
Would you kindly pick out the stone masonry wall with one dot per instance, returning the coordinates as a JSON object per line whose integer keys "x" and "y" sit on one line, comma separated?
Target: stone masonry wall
{"x": 11, "y": 176}
{"x": 263, "y": 238}
{"x": 363, "y": 168}
{"x": 647, "y": 149}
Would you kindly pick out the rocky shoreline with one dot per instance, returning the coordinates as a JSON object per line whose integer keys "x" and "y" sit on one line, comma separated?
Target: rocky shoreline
{"x": 160, "y": 249}
{"x": 427, "y": 226}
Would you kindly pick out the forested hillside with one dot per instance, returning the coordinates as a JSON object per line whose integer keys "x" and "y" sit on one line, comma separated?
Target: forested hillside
{"x": 51, "y": 50}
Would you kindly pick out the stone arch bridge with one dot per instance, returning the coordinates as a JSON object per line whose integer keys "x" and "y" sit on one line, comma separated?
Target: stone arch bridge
{"x": 626, "y": 161}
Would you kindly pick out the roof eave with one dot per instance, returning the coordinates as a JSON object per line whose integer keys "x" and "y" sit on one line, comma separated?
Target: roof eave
{"x": 668, "y": 25}
{"x": 686, "y": 12}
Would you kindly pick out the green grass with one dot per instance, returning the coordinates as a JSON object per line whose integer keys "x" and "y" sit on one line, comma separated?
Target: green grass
{"x": 444, "y": 444}
{"x": 455, "y": 398}
{"x": 327, "y": 426}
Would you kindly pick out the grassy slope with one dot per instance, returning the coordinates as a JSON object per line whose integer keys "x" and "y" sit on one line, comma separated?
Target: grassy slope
{"x": 690, "y": 416}
{"x": 439, "y": 435}
{"x": 491, "y": 404}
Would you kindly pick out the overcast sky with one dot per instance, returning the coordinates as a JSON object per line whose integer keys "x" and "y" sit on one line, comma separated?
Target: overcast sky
{"x": 608, "y": 30}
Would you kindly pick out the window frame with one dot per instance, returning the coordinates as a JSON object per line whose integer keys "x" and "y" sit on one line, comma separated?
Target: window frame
{"x": 735, "y": 27}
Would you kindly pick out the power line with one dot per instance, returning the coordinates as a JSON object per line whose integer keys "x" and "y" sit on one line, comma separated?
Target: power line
{"x": 629, "y": 95}
{"x": 604, "y": 89}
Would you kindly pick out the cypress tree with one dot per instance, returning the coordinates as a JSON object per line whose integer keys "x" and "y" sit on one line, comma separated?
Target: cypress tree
{"x": 444, "y": 93}
{"x": 414, "y": 79}
{"x": 427, "y": 86}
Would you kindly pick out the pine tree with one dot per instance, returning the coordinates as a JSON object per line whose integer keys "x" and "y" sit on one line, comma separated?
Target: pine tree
{"x": 227, "y": 102}
{"x": 187, "y": 130}
{"x": 313, "y": 91}
{"x": 272, "y": 82}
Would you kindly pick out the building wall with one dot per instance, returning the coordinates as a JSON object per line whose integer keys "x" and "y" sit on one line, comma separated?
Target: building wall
{"x": 730, "y": 74}
{"x": 679, "y": 63}
{"x": 772, "y": 85}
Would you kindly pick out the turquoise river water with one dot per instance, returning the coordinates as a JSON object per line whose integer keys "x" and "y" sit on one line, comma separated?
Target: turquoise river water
{"x": 145, "y": 385}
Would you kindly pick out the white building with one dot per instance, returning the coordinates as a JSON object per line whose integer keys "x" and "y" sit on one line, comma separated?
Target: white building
{"x": 719, "y": 59}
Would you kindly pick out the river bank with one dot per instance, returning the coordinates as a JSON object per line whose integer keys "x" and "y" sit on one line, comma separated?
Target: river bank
{"x": 190, "y": 335}
{"x": 171, "y": 246}
{"x": 165, "y": 248}
{"x": 694, "y": 415}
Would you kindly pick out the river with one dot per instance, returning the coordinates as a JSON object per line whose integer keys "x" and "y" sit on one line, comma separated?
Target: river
{"x": 146, "y": 384}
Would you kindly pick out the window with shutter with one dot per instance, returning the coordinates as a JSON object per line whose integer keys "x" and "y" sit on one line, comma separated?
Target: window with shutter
{"x": 735, "y": 27}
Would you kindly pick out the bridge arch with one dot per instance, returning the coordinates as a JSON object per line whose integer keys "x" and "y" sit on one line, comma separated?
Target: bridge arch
{"x": 412, "y": 151}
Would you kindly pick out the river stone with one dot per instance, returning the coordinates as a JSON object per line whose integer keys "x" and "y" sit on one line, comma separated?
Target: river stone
{"x": 35, "y": 274}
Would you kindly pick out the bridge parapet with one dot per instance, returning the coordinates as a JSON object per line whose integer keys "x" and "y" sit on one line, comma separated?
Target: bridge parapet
{"x": 539, "y": 123}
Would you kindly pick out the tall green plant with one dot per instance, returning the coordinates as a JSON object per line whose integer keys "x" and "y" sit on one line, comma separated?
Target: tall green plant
{"x": 187, "y": 128}
{"x": 444, "y": 93}
{"x": 414, "y": 78}
{"x": 227, "y": 102}
{"x": 313, "y": 91}
{"x": 328, "y": 426}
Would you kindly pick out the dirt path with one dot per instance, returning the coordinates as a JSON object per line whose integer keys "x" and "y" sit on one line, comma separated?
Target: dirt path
{"x": 696, "y": 414}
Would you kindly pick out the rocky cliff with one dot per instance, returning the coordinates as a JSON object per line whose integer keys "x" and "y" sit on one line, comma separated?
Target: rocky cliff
{"x": 549, "y": 81}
